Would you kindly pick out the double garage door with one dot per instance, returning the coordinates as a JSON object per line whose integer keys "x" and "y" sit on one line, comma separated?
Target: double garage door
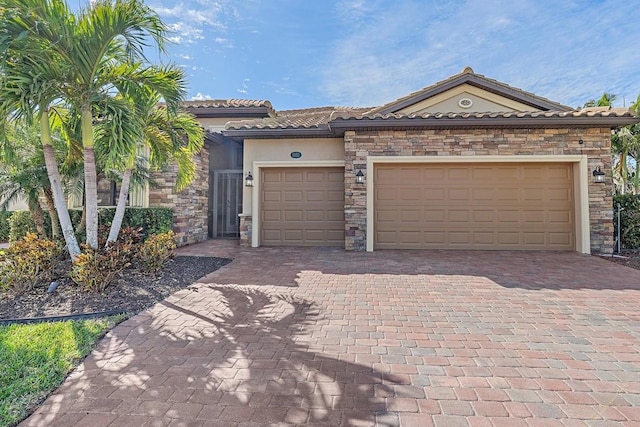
{"x": 427, "y": 206}
{"x": 474, "y": 206}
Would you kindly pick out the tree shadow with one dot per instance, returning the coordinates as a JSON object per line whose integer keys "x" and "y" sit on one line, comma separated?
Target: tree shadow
{"x": 265, "y": 340}
{"x": 230, "y": 353}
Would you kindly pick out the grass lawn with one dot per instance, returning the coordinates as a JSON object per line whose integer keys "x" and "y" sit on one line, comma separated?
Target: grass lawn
{"x": 36, "y": 358}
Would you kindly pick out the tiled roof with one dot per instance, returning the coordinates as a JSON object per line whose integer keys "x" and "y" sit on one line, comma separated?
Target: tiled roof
{"x": 227, "y": 103}
{"x": 224, "y": 104}
{"x": 308, "y": 118}
{"x": 609, "y": 112}
{"x": 469, "y": 76}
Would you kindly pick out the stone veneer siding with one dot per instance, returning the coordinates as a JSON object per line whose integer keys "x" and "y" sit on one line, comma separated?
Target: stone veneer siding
{"x": 245, "y": 230}
{"x": 479, "y": 142}
{"x": 190, "y": 206}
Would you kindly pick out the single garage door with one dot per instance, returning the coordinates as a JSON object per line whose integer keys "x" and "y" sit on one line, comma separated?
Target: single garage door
{"x": 527, "y": 206}
{"x": 302, "y": 207}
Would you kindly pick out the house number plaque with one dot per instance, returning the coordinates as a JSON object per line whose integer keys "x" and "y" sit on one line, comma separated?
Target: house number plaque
{"x": 296, "y": 154}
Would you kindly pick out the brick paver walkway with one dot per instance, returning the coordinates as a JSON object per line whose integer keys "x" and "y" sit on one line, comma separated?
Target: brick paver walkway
{"x": 411, "y": 338}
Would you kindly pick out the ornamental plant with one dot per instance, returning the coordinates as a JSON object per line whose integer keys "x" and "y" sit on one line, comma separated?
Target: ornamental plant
{"x": 95, "y": 269}
{"x": 27, "y": 262}
{"x": 156, "y": 251}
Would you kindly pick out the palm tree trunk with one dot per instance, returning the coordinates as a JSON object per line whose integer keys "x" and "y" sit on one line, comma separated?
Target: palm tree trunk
{"x": 55, "y": 222}
{"x": 120, "y": 207}
{"x": 56, "y": 187}
{"x": 623, "y": 171}
{"x": 636, "y": 178}
{"x": 38, "y": 218}
{"x": 90, "y": 178}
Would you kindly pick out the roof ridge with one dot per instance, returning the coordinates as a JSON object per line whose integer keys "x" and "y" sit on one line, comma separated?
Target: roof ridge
{"x": 469, "y": 74}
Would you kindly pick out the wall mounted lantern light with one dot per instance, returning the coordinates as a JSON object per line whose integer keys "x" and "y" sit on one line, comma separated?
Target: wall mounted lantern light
{"x": 248, "y": 181}
{"x": 359, "y": 177}
{"x": 598, "y": 175}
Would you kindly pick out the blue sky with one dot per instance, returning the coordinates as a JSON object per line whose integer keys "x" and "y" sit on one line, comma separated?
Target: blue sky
{"x": 309, "y": 53}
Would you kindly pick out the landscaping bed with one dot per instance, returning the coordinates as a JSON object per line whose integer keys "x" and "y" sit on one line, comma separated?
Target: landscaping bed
{"x": 628, "y": 258}
{"x": 131, "y": 291}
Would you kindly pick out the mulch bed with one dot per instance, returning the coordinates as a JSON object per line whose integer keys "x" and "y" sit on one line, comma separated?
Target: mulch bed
{"x": 131, "y": 291}
{"x": 628, "y": 258}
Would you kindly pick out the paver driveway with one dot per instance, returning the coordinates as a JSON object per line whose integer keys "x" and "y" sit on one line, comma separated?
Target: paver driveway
{"x": 324, "y": 337}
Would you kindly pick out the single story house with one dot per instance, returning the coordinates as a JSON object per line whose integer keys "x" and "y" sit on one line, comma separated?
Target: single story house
{"x": 467, "y": 163}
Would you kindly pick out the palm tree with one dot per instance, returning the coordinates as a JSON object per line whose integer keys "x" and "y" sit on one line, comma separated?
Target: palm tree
{"x": 93, "y": 49}
{"x": 30, "y": 78}
{"x": 606, "y": 100}
{"x": 169, "y": 133}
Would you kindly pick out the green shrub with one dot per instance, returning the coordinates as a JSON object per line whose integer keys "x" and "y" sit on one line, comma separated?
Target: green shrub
{"x": 629, "y": 219}
{"x": 21, "y": 223}
{"x": 156, "y": 250}
{"x": 27, "y": 262}
{"x": 150, "y": 220}
{"x": 4, "y": 225}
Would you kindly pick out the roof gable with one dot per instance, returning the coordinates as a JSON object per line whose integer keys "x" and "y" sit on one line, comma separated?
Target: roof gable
{"x": 469, "y": 92}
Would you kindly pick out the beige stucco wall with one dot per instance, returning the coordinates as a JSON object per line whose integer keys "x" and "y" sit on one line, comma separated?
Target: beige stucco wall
{"x": 214, "y": 121}
{"x": 483, "y": 101}
{"x": 278, "y": 152}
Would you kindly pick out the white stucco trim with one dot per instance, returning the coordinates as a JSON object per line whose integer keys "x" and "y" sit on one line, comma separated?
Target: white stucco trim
{"x": 256, "y": 167}
{"x": 581, "y": 185}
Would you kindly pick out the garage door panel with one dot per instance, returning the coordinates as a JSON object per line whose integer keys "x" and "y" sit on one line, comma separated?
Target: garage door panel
{"x": 336, "y": 196}
{"x": 293, "y": 176}
{"x": 293, "y": 196}
{"x": 561, "y": 194}
{"x": 434, "y": 215}
{"x": 315, "y": 195}
{"x": 293, "y": 215}
{"x": 534, "y": 194}
{"x": 272, "y": 215}
{"x": 434, "y": 238}
{"x": 559, "y": 239}
{"x": 411, "y": 215}
{"x": 272, "y": 196}
{"x": 458, "y": 216}
{"x": 534, "y": 216}
{"x": 508, "y": 216}
{"x": 475, "y": 206}
{"x": 508, "y": 194}
{"x": 487, "y": 216}
{"x": 483, "y": 238}
{"x": 534, "y": 238}
{"x": 302, "y": 207}
{"x": 483, "y": 194}
{"x": 559, "y": 217}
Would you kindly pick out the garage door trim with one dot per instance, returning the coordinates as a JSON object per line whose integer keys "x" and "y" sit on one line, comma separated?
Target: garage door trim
{"x": 255, "y": 197}
{"x": 581, "y": 182}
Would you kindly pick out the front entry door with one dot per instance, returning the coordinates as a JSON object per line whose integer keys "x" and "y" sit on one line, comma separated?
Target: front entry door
{"x": 227, "y": 203}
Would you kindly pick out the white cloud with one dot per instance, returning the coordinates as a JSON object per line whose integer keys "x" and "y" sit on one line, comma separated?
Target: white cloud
{"x": 200, "y": 97}
{"x": 193, "y": 20}
{"x": 245, "y": 87}
{"x": 224, "y": 42}
{"x": 564, "y": 51}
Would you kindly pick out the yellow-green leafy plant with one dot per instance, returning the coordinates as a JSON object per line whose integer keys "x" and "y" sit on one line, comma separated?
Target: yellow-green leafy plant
{"x": 95, "y": 269}
{"x": 27, "y": 262}
{"x": 156, "y": 250}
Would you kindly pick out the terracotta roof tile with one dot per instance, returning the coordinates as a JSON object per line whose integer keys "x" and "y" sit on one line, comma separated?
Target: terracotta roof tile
{"x": 229, "y": 104}
{"x": 612, "y": 112}
{"x": 469, "y": 75}
{"x": 307, "y": 118}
